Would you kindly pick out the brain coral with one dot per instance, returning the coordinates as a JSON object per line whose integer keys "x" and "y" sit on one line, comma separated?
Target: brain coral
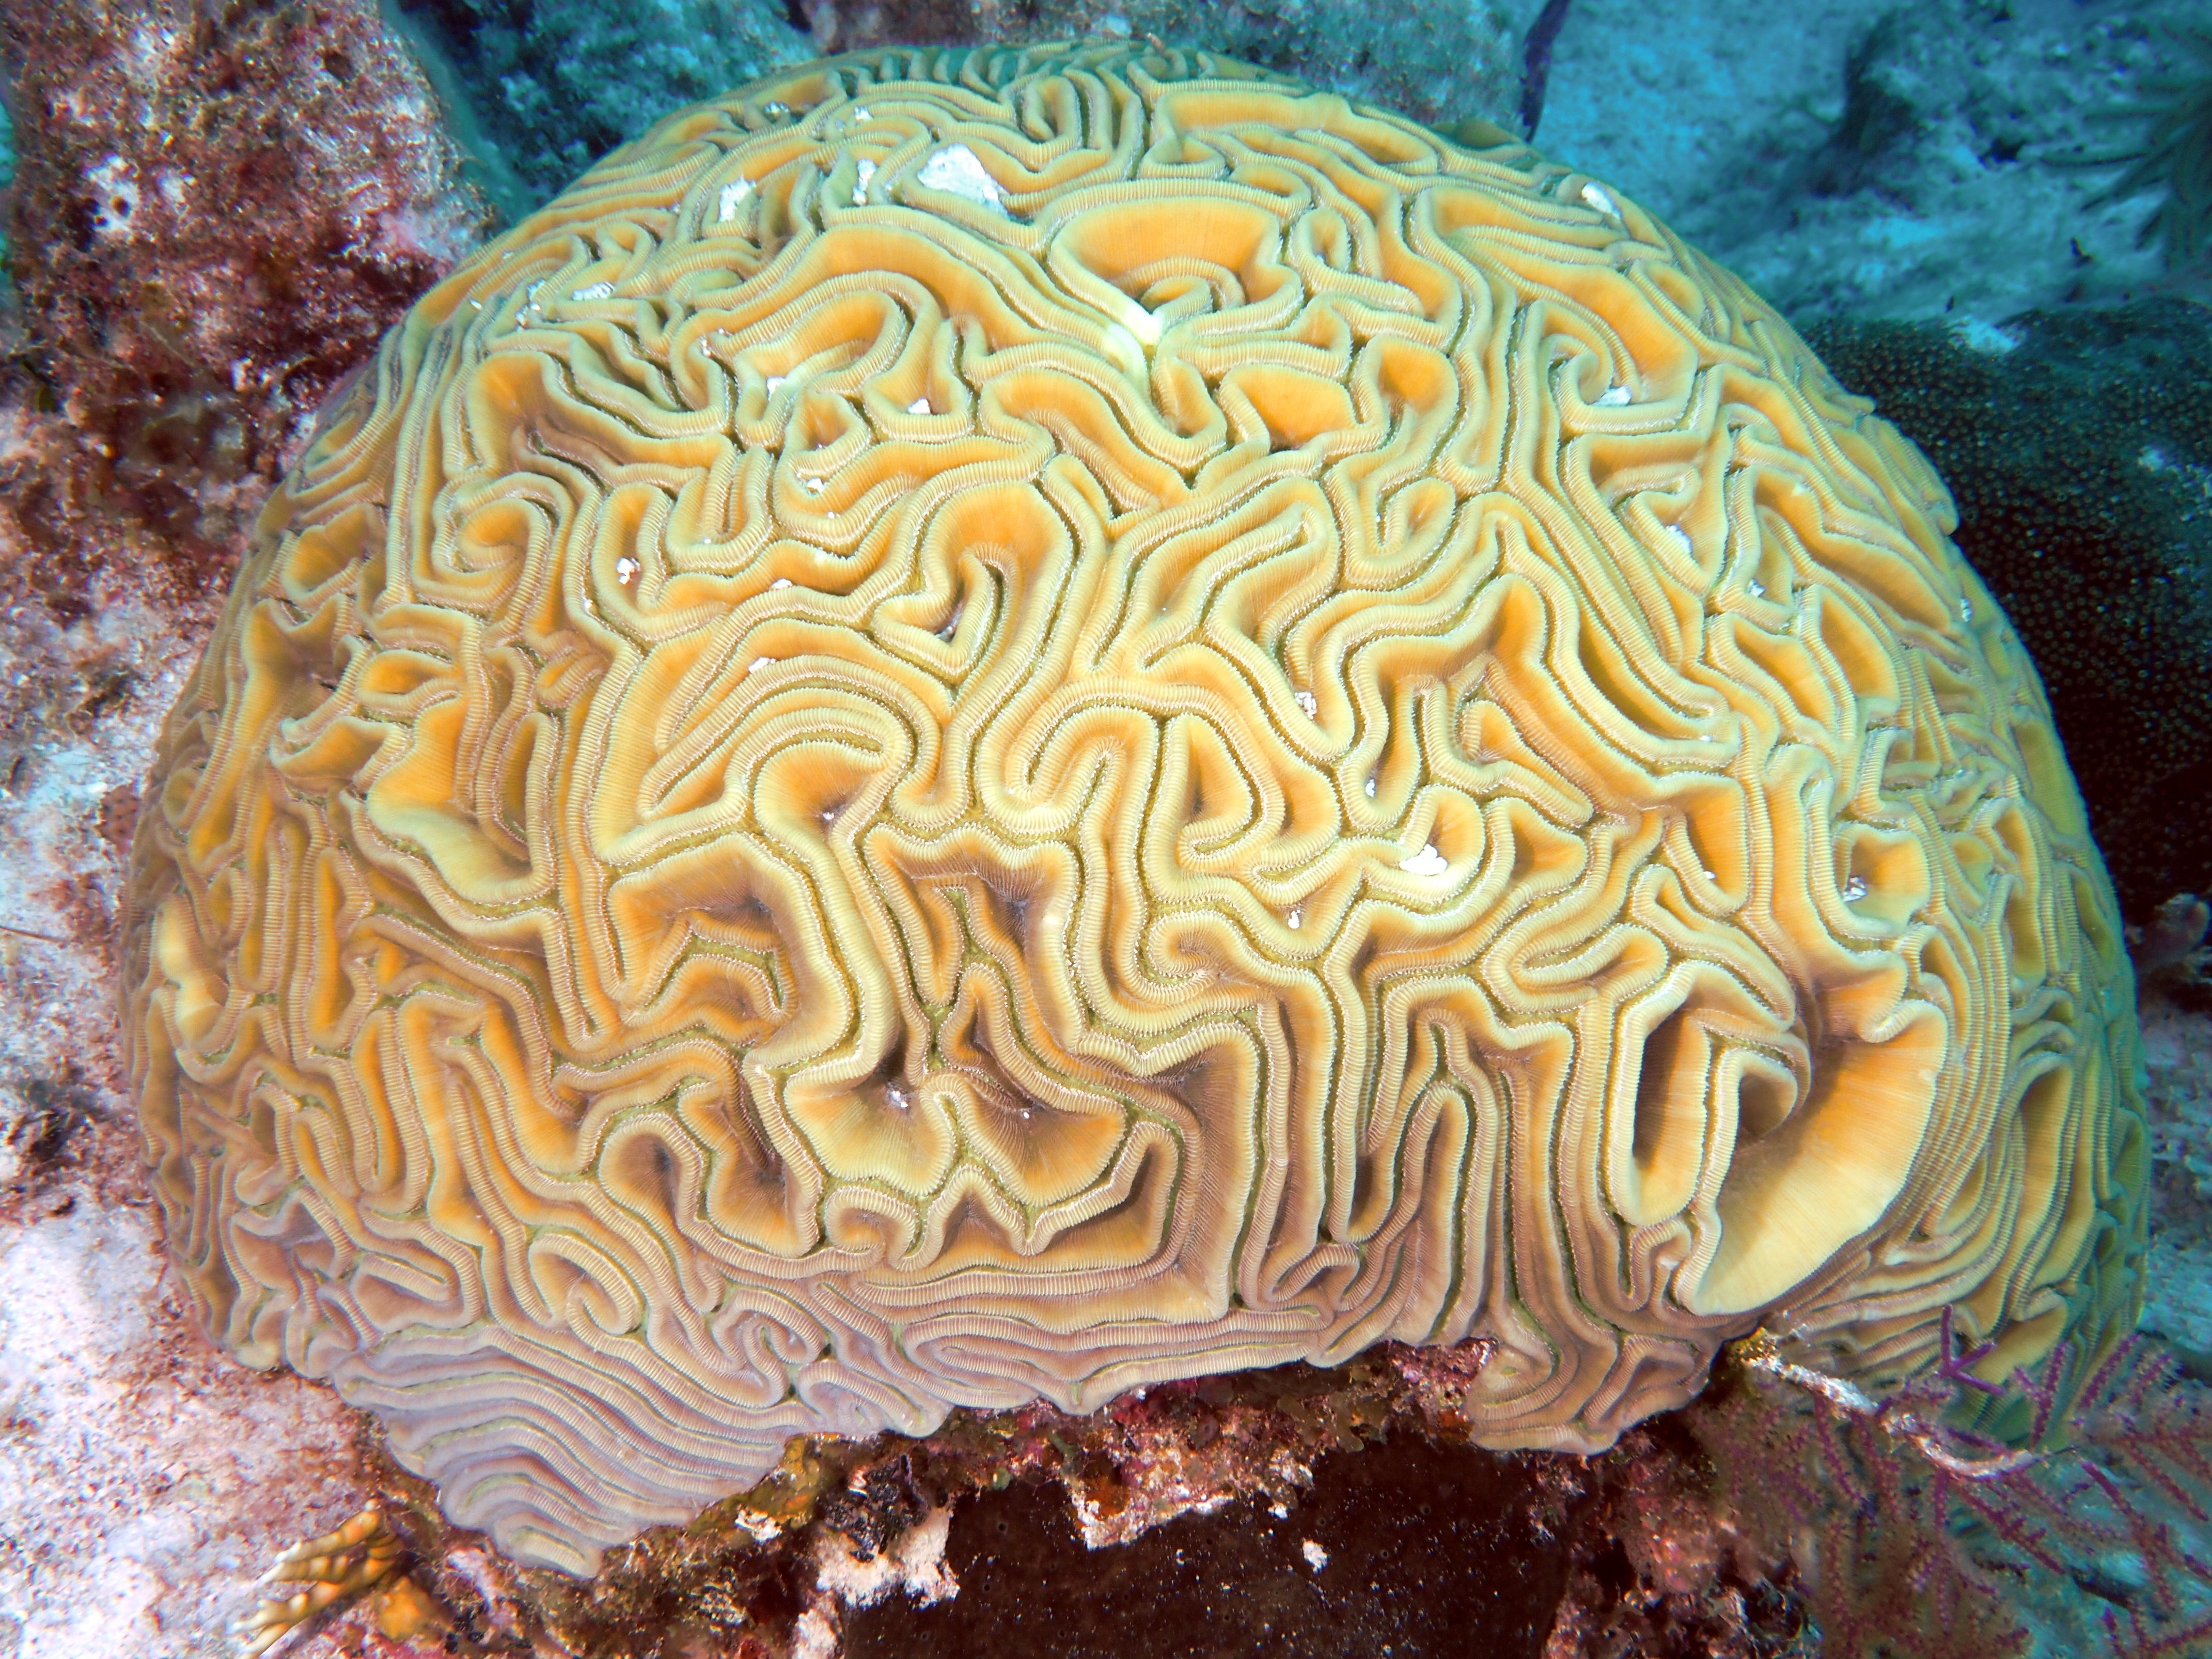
{"x": 1004, "y": 725}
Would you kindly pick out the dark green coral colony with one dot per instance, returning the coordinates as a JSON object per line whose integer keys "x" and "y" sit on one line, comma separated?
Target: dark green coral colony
{"x": 2081, "y": 461}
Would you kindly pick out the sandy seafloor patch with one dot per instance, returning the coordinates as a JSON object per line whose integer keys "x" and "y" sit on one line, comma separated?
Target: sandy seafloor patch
{"x": 145, "y": 1480}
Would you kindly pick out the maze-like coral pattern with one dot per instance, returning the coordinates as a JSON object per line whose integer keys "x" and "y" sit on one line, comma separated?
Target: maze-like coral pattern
{"x": 992, "y": 727}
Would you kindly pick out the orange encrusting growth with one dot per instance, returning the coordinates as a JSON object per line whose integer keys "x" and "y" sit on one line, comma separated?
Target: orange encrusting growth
{"x": 1009, "y": 725}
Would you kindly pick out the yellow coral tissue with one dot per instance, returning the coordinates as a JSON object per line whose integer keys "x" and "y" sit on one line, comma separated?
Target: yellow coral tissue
{"x": 994, "y": 726}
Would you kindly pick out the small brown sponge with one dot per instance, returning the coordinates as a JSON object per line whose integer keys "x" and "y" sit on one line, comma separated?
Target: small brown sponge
{"x": 1004, "y": 725}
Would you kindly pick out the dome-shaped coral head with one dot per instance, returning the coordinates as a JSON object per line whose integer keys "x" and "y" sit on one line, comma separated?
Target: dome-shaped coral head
{"x": 1010, "y": 724}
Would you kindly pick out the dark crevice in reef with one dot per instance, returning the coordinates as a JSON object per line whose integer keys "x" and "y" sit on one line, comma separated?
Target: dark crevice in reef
{"x": 1423, "y": 1550}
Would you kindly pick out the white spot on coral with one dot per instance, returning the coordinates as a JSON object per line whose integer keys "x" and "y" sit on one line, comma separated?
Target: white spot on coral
{"x": 1682, "y": 536}
{"x": 115, "y": 197}
{"x": 919, "y": 406}
{"x": 866, "y": 171}
{"x": 776, "y": 382}
{"x": 1140, "y": 322}
{"x": 1756, "y": 587}
{"x": 626, "y": 569}
{"x": 732, "y": 193}
{"x": 1370, "y": 789}
{"x": 780, "y": 581}
{"x": 1598, "y": 199}
{"x": 1966, "y": 610}
{"x": 757, "y": 664}
{"x": 955, "y": 170}
{"x": 596, "y": 291}
{"x": 1427, "y": 862}
{"x": 1294, "y": 921}
{"x": 1317, "y": 1556}
{"x": 812, "y": 486}
{"x": 1614, "y": 397}
{"x": 1121, "y": 349}
{"x": 1855, "y": 889}
{"x": 1310, "y": 703}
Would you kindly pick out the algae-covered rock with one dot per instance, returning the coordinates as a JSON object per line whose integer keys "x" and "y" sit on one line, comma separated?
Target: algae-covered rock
{"x": 537, "y": 90}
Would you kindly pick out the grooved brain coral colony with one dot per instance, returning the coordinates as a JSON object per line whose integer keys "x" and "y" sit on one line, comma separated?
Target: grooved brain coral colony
{"x": 988, "y": 725}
